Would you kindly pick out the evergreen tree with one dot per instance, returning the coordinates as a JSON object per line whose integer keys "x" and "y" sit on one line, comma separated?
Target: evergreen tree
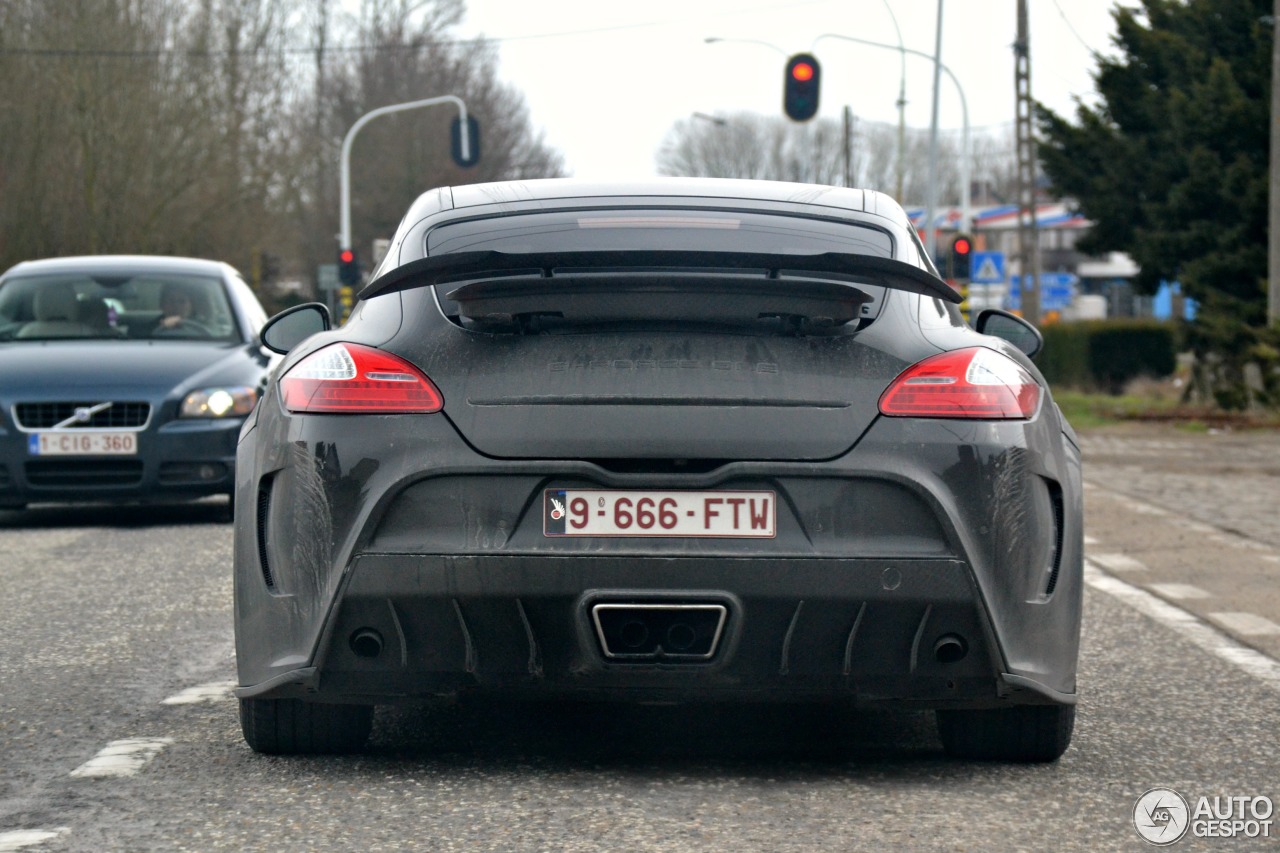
{"x": 1172, "y": 163}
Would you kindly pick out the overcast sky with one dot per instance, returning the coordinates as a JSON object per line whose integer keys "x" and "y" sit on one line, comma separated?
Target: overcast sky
{"x": 606, "y": 80}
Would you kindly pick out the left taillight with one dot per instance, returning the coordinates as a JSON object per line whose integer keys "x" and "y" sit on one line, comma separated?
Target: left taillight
{"x": 354, "y": 379}
{"x": 975, "y": 383}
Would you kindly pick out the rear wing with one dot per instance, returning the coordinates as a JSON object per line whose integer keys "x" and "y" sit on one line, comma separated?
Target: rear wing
{"x": 471, "y": 266}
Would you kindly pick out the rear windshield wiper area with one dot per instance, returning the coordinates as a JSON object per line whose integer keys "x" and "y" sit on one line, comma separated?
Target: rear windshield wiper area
{"x": 664, "y": 299}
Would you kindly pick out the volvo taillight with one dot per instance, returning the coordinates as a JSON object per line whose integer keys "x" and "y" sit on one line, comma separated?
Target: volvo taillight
{"x": 976, "y": 383}
{"x": 354, "y": 379}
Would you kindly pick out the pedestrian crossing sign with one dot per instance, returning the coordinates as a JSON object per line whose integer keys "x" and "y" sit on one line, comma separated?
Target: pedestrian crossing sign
{"x": 987, "y": 268}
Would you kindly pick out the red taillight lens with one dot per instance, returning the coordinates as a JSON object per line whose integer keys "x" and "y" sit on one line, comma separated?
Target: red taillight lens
{"x": 976, "y": 383}
{"x": 355, "y": 379}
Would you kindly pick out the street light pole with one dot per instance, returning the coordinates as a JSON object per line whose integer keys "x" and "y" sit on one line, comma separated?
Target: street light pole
{"x": 966, "y": 201}
{"x": 931, "y": 234}
{"x": 344, "y": 213}
{"x": 902, "y": 100}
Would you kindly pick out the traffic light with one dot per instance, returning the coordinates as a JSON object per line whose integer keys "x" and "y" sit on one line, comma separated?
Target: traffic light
{"x": 348, "y": 267}
{"x": 959, "y": 256}
{"x": 800, "y": 87}
{"x": 473, "y": 142}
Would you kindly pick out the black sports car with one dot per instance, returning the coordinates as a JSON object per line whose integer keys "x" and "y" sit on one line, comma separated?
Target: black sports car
{"x": 682, "y": 441}
{"x": 124, "y": 378}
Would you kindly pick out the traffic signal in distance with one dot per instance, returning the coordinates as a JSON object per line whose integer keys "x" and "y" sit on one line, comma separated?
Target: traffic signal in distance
{"x": 348, "y": 267}
{"x": 959, "y": 257}
{"x": 800, "y": 87}
{"x": 473, "y": 142}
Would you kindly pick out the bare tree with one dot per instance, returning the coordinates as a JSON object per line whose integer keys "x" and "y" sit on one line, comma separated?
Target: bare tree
{"x": 748, "y": 145}
{"x": 212, "y": 127}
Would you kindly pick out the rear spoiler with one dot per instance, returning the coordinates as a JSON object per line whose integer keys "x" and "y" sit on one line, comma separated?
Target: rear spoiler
{"x": 462, "y": 266}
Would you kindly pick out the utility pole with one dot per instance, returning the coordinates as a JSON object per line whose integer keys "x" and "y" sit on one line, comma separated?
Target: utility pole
{"x": 1028, "y": 230}
{"x": 849, "y": 144}
{"x": 1273, "y": 224}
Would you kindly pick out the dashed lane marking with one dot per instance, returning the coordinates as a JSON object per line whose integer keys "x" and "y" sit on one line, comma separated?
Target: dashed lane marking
{"x": 16, "y": 840}
{"x": 1178, "y": 590}
{"x": 214, "y": 691}
{"x": 1118, "y": 562}
{"x": 1249, "y": 624}
{"x": 122, "y": 757}
{"x": 1201, "y": 634}
{"x": 1089, "y": 540}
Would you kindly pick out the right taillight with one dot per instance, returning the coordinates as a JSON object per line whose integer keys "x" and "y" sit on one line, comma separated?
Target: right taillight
{"x": 976, "y": 383}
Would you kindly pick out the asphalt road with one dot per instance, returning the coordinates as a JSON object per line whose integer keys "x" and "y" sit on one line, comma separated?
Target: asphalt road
{"x": 117, "y": 636}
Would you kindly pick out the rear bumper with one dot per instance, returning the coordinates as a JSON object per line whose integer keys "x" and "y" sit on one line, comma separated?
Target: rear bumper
{"x": 901, "y": 632}
{"x": 177, "y": 461}
{"x": 925, "y": 529}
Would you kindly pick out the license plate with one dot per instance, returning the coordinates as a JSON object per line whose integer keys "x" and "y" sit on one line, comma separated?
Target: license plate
{"x": 607, "y": 512}
{"x": 82, "y": 443}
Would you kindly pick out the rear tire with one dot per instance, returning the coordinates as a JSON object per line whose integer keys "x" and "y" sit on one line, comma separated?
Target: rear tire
{"x": 297, "y": 727}
{"x": 1022, "y": 733}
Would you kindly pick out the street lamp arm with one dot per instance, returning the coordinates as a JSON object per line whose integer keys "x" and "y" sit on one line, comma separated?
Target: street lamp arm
{"x": 344, "y": 235}
{"x": 718, "y": 40}
{"x": 902, "y": 49}
{"x": 964, "y": 106}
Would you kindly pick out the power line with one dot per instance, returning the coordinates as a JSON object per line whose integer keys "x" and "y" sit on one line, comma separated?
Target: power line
{"x": 1067, "y": 21}
{"x": 159, "y": 52}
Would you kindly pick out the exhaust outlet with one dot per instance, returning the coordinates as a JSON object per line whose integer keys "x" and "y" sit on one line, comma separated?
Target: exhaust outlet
{"x": 366, "y": 643}
{"x": 651, "y": 631}
{"x": 950, "y": 648}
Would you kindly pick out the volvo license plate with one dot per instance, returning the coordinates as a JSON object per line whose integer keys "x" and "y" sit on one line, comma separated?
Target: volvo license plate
{"x": 82, "y": 443}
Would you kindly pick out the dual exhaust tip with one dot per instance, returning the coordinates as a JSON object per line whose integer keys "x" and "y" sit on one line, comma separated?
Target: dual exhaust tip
{"x": 651, "y": 632}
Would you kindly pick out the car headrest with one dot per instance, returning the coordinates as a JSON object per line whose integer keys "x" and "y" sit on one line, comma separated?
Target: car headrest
{"x": 55, "y": 301}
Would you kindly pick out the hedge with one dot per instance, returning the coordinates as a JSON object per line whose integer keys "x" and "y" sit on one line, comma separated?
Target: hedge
{"x": 1106, "y": 354}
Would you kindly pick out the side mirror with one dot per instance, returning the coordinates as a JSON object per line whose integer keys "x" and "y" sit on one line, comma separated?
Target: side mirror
{"x": 1011, "y": 328}
{"x": 292, "y": 326}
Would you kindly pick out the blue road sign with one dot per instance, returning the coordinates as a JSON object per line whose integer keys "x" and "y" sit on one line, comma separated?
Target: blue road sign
{"x": 1057, "y": 289}
{"x": 987, "y": 268}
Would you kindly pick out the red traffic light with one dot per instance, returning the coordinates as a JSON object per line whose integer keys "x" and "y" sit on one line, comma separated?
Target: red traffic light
{"x": 961, "y": 246}
{"x": 346, "y": 256}
{"x": 802, "y": 71}
{"x": 800, "y": 87}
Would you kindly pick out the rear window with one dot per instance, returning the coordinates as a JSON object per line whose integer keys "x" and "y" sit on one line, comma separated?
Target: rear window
{"x": 154, "y": 306}
{"x": 687, "y": 230}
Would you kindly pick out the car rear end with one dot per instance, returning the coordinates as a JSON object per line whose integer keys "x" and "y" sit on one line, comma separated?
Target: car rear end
{"x": 709, "y": 471}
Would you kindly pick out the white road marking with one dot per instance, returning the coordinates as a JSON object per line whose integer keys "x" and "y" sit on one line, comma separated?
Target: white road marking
{"x": 1089, "y": 540}
{"x": 1200, "y": 527}
{"x": 122, "y": 757}
{"x": 1118, "y": 562}
{"x": 214, "y": 691}
{"x": 16, "y": 840}
{"x": 1248, "y": 624}
{"x": 1201, "y": 634}
{"x": 1179, "y": 590}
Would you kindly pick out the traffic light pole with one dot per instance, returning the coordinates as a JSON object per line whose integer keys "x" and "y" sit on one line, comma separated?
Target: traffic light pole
{"x": 344, "y": 213}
